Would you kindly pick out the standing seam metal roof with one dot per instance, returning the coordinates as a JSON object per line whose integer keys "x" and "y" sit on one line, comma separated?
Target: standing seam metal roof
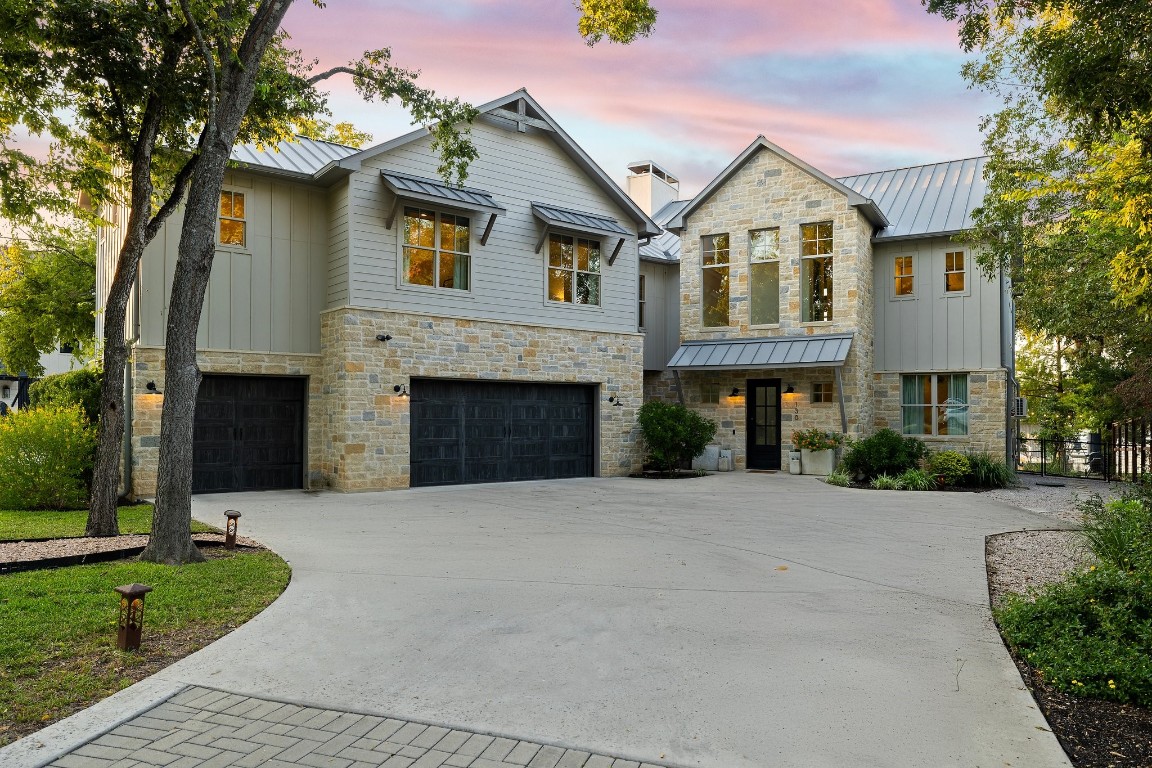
{"x": 925, "y": 200}
{"x": 478, "y": 199}
{"x": 772, "y": 352}
{"x": 578, "y": 219}
{"x": 303, "y": 156}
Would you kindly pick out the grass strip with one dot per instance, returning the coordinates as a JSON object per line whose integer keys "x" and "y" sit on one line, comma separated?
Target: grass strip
{"x": 21, "y": 525}
{"x": 58, "y": 631}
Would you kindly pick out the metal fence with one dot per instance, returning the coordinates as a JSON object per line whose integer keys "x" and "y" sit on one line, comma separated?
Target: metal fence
{"x": 1065, "y": 458}
{"x": 1130, "y": 448}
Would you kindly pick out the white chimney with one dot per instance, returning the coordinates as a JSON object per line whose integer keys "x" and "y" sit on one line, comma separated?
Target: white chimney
{"x": 651, "y": 186}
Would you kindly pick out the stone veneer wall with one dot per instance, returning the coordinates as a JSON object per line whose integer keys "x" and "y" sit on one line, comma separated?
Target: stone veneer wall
{"x": 366, "y": 427}
{"x": 148, "y": 365}
{"x": 987, "y": 391}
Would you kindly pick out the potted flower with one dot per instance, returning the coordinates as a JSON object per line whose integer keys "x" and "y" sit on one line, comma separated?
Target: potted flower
{"x": 817, "y": 450}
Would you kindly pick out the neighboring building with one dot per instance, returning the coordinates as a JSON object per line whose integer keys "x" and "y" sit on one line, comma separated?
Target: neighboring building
{"x": 369, "y": 327}
{"x": 843, "y": 304}
{"x": 11, "y": 382}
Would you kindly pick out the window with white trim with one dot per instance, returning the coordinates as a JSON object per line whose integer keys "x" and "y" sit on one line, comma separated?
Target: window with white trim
{"x": 934, "y": 403}
{"x": 954, "y": 269}
{"x": 233, "y": 225}
{"x": 905, "y": 280}
{"x": 764, "y": 276}
{"x": 436, "y": 249}
{"x": 816, "y": 272}
{"x": 714, "y": 263}
{"x": 573, "y": 269}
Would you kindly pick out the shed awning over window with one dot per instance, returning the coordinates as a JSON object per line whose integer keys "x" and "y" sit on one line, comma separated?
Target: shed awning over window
{"x": 578, "y": 221}
{"x": 436, "y": 193}
{"x": 774, "y": 352}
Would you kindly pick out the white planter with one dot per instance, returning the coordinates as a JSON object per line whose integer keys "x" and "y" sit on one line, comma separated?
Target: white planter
{"x": 817, "y": 462}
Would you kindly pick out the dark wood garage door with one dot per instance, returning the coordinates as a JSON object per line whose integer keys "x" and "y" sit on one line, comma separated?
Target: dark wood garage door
{"x": 488, "y": 432}
{"x": 249, "y": 434}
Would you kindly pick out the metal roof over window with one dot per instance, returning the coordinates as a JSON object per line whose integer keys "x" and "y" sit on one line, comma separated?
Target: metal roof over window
{"x": 562, "y": 218}
{"x": 302, "y": 156}
{"x": 772, "y": 352}
{"x": 925, "y": 200}
{"x": 439, "y": 193}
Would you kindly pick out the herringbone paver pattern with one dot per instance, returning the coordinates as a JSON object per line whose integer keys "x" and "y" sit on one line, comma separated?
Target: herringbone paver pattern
{"x": 203, "y": 728}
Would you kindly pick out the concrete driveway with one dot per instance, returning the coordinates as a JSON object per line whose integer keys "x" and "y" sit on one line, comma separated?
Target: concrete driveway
{"x": 734, "y": 620}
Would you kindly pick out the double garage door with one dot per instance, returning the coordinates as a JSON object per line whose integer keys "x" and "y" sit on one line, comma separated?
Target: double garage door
{"x": 490, "y": 432}
{"x": 248, "y": 434}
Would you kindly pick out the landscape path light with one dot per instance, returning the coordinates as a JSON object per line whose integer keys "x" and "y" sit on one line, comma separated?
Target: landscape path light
{"x": 131, "y": 615}
{"x": 230, "y": 528}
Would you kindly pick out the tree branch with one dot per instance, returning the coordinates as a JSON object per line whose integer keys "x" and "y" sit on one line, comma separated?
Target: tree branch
{"x": 179, "y": 183}
{"x": 209, "y": 62}
{"x": 329, "y": 73}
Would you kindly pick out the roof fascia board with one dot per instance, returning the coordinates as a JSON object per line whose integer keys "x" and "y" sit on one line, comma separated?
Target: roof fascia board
{"x": 754, "y": 367}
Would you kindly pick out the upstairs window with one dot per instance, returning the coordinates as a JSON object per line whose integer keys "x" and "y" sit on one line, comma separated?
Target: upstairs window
{"x": 816, "y": 272}
{"x": 573, "y": 270}
{"x": 764, "y": 276}
{"x": 232, "y": 222}
{"x": 954, "y": 272}
{"x": 436, "y": 249}
{"x": 905, "y": 280}
{"x": 715, "y": 263}
{"x": 640, "y": 308}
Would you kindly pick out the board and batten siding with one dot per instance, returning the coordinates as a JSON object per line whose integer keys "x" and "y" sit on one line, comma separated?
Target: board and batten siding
{"x": 932, "y": 330}
{"x": 338, "y": 225}
{"x": 109, "y": 241}
{"x": 661, "y": 313}
{"x": 264, "y": 297}
{"x": 508, "y": 276}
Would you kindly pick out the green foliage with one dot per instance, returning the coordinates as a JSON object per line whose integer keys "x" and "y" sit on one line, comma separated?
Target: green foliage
{"x": 950, "y": 466}
{"x": 916, "y": 480}
{"x": 47, "y": 296}
{"x": 621, "y": 21}
{"x": 883, "y": 482}
{"x": 839, "y": 478}
{"x": 80, "y": 388}
{"x": 816, "y": 440}
{"x": 987, "y": 471}
{"x": 1090, "y": 635}
{"x": 673, "y": 434}
{"x": 885, "y": 452}
{"x": 45, "y": 453}
{"x": 1119, "y": 533}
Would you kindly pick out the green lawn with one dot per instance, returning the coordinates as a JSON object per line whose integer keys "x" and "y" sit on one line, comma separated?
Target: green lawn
{"x": 58, "y": 627}
{"x": 21, "y": 525}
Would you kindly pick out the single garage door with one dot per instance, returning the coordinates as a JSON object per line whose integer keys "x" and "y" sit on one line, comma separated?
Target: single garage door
{"x": 248, "y": 434}
{"x": 491, "y": 432}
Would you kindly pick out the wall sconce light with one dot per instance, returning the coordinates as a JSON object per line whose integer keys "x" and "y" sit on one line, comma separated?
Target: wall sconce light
{"x": 735, "y": 392}
{"x": 790, "y": 391}
{"x": 400, "y": 390}
{"x": 615, "y": 401}
{"x": 383, "y": 337}
{"x": 151, "y": 387}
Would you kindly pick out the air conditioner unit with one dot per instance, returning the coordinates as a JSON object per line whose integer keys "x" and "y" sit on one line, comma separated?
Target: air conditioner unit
{"x": 1020, "y": 408}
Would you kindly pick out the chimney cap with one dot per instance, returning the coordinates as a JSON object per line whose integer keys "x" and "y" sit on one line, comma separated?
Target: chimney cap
{"x": 641, "y": 167}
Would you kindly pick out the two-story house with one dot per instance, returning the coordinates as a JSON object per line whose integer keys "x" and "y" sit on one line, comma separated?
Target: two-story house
{"x": 842, "y": 304}
{"x": 368, "y": 326}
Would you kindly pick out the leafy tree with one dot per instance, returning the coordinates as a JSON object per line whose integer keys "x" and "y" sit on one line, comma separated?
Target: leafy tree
{"x": 47, "y": 295}
{"x": 673, "y": 434}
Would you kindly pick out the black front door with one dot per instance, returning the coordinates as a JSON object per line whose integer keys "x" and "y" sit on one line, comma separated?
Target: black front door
{"x": 763, "y": 423}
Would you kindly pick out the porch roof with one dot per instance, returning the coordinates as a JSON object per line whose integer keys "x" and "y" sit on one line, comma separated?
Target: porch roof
{"x": 773, "y": 352}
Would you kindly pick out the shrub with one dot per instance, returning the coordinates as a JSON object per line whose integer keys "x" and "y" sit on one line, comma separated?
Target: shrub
{"x": 839, "y": 478}
{"x": 673, "y": 434}
{"x": 885, "y": 483}
{"x": 816, "y": 440}
{"x": 80, "y": 388}
{"x": 885, "y": 452}
{"x": 987, "y": 471}
{"x": 1119, "y": 533}
{"x": 1090, "y": 635}
{"x": 916, "y": 480}
{"x": 44, "y": 455}
{"x": 951, "y": 467}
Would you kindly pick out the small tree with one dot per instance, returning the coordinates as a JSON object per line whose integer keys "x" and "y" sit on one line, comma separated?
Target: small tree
{"x": 673, "y": 434}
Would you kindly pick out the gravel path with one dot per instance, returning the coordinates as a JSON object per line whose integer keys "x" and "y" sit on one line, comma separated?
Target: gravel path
{"x": 1024, "y": 560}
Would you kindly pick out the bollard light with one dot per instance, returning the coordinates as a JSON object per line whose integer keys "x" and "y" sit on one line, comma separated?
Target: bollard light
{"x": 230, "y": 528}
{"x": 131, "y": 615}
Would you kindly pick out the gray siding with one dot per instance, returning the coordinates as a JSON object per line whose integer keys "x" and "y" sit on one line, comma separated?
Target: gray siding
{"x": 661, "y": 313}
{"x": 932, "y": 330}
{"x": 508, "y": 277}
{"x": 264, "y": 297}
{"x": 338, "y": 225}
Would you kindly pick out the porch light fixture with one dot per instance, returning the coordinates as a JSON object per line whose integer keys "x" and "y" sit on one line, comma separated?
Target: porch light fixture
{"x": 383, "y": 337}
{"x": 151, "y": 387}
{"x": 790, "y": 391}
{"x": 735, "y": 392}
{"x": 230, "y": 528}
{"x": 131, "y": 615}
{"x": 615, "y": 401}
{"x": 400, "y": 390}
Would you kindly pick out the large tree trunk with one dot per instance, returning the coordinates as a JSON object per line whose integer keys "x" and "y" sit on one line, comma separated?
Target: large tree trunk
{"x": 171, "y": 539}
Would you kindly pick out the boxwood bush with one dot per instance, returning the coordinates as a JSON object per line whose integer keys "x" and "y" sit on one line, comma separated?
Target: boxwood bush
{"x": 673, "y": 434}
{"x": 884, "y": 453}
{"x": 950, "y": 467}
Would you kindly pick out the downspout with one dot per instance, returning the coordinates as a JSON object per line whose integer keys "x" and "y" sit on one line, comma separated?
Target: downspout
{"x": 679, "y": 386}
{"x": 129, "y": 402}
{"x": 1008, "y": 361}
{"x": 840, "y": 397}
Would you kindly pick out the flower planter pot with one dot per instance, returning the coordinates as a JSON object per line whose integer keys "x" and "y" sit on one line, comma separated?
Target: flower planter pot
{"x": 817, "y": 462}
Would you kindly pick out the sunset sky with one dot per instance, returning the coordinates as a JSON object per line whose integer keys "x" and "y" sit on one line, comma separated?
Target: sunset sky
{"x": 848, "y": 85}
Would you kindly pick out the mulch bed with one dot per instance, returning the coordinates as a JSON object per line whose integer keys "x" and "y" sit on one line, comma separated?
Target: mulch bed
{"x": 1094, "y": 733}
